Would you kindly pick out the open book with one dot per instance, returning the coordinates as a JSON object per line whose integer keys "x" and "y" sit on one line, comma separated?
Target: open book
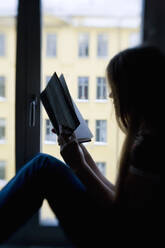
{"x": 62, "y": 110}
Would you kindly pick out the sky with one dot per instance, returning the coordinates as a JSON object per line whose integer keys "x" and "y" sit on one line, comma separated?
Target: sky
{"x": 83, "y": 7}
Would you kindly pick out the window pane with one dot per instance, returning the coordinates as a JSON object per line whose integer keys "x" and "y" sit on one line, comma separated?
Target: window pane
{"x": 49, "y": 135}
{"x": 2, "y": 129}
{"x": 8, "y": 12}
{"x": 101, "y": 88}
{"x": 2, "y": 170}
{"x": 102, "y": 167}
{"x": 134, "y": 39}
{"x": 90, "y": 30}
{"x": 2, "y": 44}
{"x": 51, "y": 43}
{"x": 2, "y": 87}
{"x": 101, "y": 130}
{"x": 102, "y": 45}
{"x": 83, "y": 88}
{"x": 83, "y": 45}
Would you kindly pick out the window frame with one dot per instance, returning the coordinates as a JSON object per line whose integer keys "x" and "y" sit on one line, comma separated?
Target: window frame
{"x": 83, "y": 44}
{"x": 102, "y": 86}
{"x": 28, "y": 70}
{"x": 100, "y": 131}
{"x": 101, "y": 42}
{"x": 46, "y": 235}
{"x": 49, "y": 46}
{"x": 3, "y": 140}
{"x": 3, "y": 78}
{"x": 83, "y": 85}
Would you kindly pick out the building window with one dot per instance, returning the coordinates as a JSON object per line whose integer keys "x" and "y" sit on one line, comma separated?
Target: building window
{"x": 102, "y": 167}
{"x": 134, "y": 39}
{"x": 51, "y": 45}
{"x": 47, "y": 79}
{"x": 2, "y": 87}
{"x": 2, "y": 129}
{"x": 87, "y": 122}
{"x": 2, "y": 170}
{"x": 2, "y": 45}
{"x": 102, "y": 45}
{"x": 101, "y": 131}
{"x": 49, "y": 135}
{"x": 83, "y": 88}
{"x": 101, "y": 88}
{"x": 83, "y": 45}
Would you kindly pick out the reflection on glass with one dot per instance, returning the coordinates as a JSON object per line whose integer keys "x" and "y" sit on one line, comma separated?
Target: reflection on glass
{"x": 78, "y": 39}
{"x": 7, "y": 89}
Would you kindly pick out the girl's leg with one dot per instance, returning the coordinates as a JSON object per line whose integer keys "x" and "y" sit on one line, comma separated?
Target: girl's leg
{"x": 46, "y": 177}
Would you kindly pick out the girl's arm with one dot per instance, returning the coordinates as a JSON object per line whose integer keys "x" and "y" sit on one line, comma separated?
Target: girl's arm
{"x": 84, "y": 167}
{"x": 94, "y": 167}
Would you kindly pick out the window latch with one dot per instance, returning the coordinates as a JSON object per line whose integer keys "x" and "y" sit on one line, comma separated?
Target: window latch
{"x": 32, "y": 111}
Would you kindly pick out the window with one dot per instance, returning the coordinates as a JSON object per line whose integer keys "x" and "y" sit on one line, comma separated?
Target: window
{"x": 2, "y": 44}
{"x": 2, "y": 169}
{"x": 2, "y": 129}
{"x": 101, "y": 131}
{"x": 102, "y": 45}
{"x": 83, "y": 88}
{"x": 83, "y": 45}
{"x": 134, "y": 39}
{"x": 102, "y": 167}
{"x": 87, "y": 122}
{"x": 101, "y": 88}
{"x": 49, "y": 135}
{"x": 2, "y": 87}
{"x": 51, "y": 45}
{"x": 47, "y": 79}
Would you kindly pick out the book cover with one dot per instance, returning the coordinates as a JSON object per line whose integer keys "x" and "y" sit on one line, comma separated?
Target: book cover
{"x": 62, "y": 110}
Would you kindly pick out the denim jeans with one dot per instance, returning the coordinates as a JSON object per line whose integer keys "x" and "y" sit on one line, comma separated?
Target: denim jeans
{"x": 45, "y": 177}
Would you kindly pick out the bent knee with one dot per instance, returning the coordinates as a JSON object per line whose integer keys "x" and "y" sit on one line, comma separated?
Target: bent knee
{"x": 47, "y": 161}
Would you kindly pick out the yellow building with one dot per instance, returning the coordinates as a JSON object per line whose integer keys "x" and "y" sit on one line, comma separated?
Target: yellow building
{"x": 80, "y": 48}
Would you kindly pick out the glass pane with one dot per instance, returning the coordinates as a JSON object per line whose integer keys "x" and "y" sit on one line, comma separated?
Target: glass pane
{"x": 8, "y": 11}
{"x": 76, "y": 22}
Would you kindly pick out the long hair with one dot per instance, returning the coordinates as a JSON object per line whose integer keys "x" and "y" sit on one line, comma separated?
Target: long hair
{"x": 136, "y": 78}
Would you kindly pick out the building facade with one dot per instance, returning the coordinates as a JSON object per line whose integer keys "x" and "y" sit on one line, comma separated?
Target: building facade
{"x": 80, "y": 48}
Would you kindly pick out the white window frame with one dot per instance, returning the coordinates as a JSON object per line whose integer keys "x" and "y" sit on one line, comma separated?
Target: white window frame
{"x": 102, "y": 45}
{"x": 83, "y": 45}
{"x": 102, "y": 86}
{"x": 51, "y": 45}
{"x": 83, "y": 86}
{"x": 101, "y": 126}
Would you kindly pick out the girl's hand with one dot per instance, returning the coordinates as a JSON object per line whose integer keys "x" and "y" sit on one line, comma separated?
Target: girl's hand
{"x": 70, "y": 150}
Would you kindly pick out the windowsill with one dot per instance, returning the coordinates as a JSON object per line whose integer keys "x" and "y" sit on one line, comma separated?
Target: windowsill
{"x": 100, "y": 143}
{"x": 101, "y": 100}
{"x": 102, "y": 57}
{"x": 83, "y": 57}
{"x": 82, "y": 100}
{"x": 50, "y": 142}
